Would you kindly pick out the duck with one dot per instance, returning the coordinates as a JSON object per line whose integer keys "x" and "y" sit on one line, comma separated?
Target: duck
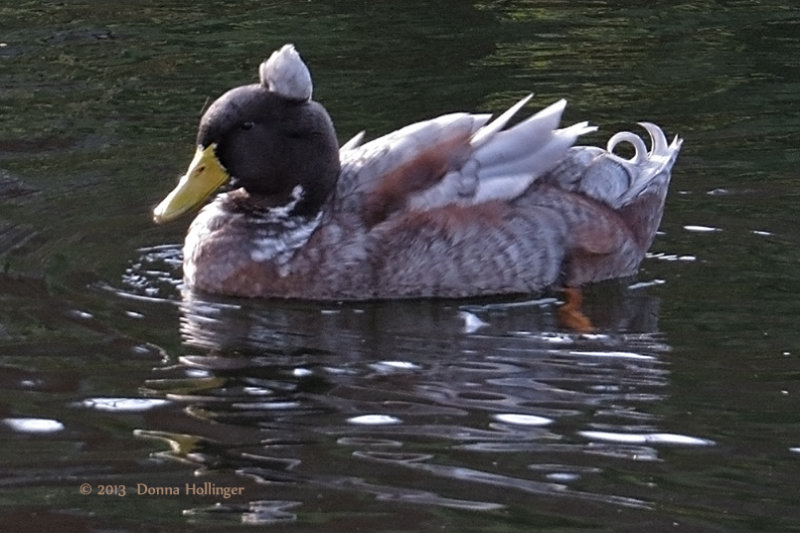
{"x": 461, "y": 205}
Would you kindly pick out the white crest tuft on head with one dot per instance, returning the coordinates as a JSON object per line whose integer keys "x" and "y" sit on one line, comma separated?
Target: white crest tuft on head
{"x": 285, "y": 73}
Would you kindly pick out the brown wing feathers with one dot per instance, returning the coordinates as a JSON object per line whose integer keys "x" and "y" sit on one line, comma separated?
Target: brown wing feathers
{"x": 417, "y": 174}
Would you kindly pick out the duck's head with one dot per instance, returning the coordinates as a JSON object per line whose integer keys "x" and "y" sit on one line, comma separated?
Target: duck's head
{"x": 268, "y": 138}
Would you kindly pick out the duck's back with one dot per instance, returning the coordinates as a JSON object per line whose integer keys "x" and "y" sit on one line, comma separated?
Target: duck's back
{"x": 515, "y": 212}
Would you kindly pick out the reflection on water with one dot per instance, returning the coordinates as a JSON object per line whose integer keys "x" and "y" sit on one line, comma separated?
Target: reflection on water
{"x": 398, "y": 401}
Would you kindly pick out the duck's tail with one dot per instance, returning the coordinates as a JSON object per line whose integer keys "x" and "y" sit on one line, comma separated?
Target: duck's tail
{"x": 636, "y": 188}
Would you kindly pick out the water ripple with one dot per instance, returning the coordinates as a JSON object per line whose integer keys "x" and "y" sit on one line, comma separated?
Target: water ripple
{"x": 522, "y": 420}
{"x": 647, "y": 438}
{"x": 33, "y": 425}
{"x": 123, "y": 405}
{"x": 374, "y": 420}
{"x": 405, "y": 387}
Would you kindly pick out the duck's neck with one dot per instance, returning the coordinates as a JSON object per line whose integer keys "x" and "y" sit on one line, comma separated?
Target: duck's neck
{"x": 298, "y": 203}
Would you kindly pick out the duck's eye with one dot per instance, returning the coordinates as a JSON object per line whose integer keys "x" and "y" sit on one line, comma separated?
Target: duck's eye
{"x": 247, "y": 125}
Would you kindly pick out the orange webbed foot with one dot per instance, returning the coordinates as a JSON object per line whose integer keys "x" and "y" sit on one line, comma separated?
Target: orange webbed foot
{"x": 570, "y": 313}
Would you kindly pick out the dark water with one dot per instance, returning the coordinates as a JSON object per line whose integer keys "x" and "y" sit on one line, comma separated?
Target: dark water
{"x": 680, "y": 414}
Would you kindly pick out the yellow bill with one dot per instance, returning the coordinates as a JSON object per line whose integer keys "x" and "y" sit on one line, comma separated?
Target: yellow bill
{"x": 204, "y": 176}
